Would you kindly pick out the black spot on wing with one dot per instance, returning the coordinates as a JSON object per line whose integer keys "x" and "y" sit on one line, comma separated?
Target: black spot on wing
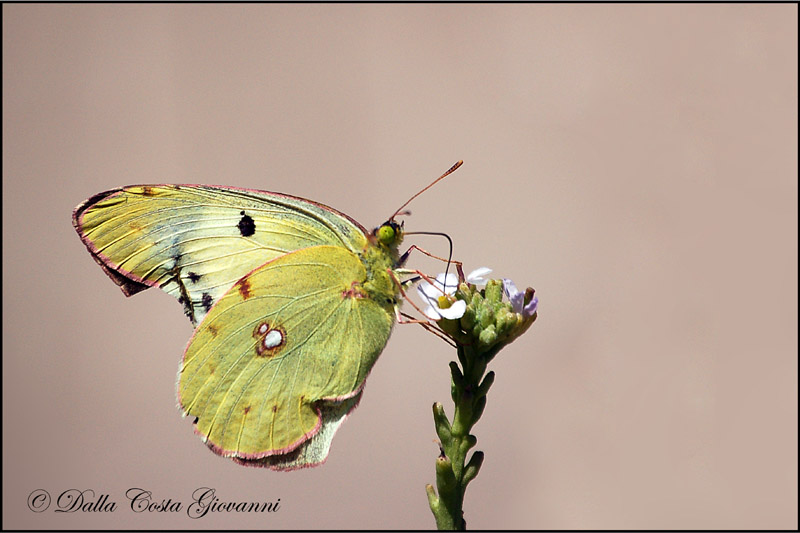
{"x": 195, "y": 277}
{"x": 246, "y": 225}
{"x": 207, "y": 302}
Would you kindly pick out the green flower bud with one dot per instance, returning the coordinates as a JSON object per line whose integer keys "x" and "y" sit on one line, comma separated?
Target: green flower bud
{"x": 486, "y": 315}
{"x": 494, "y": 291}
{"x": 505, "y": 322}
{"x": 477, "y": 299}
{"x": 468, "y": 320}
{"x": 465, "y": 292}
{"x": 476, "y": 331}
{"x": 445, "y": 478}
{"x": 483, "y": 388}
{"x": 473, "y": 467}
{"x": 442, "y": 424}
{"x": 488, "y": 336}
{"x": 451, "y": 327}
{"x": 471, "y": 441}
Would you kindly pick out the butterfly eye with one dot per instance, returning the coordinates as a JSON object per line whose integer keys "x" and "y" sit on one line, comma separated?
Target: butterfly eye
{"x": 387, "y": 234}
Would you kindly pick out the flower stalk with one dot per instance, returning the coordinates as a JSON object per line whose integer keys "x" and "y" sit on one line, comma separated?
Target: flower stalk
{"x": 485, "y": 327}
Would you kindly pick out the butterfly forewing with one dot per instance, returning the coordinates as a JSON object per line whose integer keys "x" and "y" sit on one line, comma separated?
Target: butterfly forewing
{"x": 196, "y": 241}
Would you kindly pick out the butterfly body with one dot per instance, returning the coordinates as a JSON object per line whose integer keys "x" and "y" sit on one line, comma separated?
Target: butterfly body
{"x": 293, "y": 302}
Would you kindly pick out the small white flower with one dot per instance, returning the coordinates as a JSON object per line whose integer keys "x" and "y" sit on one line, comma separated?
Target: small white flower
{"x": 442, "y": 285}
{"x": 455, "y": 311}
{"x": 439, "y": 297}
{"x": 439, "y": 294}
{"x": 478, "y": 276}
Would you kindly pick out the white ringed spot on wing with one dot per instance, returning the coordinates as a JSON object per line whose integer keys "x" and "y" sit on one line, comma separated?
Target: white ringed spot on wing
{"x": 271, "y": 339}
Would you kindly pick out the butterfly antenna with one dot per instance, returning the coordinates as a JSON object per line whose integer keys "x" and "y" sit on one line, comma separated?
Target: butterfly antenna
{"x": 437, "y": 180}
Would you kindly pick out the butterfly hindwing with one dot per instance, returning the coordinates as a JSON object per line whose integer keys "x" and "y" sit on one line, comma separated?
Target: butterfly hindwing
{"x": 283, "y": 356}
{"x": 195, "y": 241}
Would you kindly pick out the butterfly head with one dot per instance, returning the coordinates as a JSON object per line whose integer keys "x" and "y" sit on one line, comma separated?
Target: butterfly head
{"x": 389, "y": 234}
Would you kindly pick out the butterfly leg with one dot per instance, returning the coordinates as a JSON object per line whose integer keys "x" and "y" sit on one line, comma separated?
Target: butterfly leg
{"x": 426, "y": 323}
{"x": 402, "y": 290}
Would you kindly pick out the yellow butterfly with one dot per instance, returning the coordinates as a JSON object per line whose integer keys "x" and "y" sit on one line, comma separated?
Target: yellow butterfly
{"x": 292, "y": 301}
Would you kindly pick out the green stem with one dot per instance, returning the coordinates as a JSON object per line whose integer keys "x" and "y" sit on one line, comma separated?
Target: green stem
{"x": 453, "y": 471}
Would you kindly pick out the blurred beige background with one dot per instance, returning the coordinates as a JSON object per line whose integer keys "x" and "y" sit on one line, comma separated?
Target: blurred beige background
{"x": 636, "y": 164}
